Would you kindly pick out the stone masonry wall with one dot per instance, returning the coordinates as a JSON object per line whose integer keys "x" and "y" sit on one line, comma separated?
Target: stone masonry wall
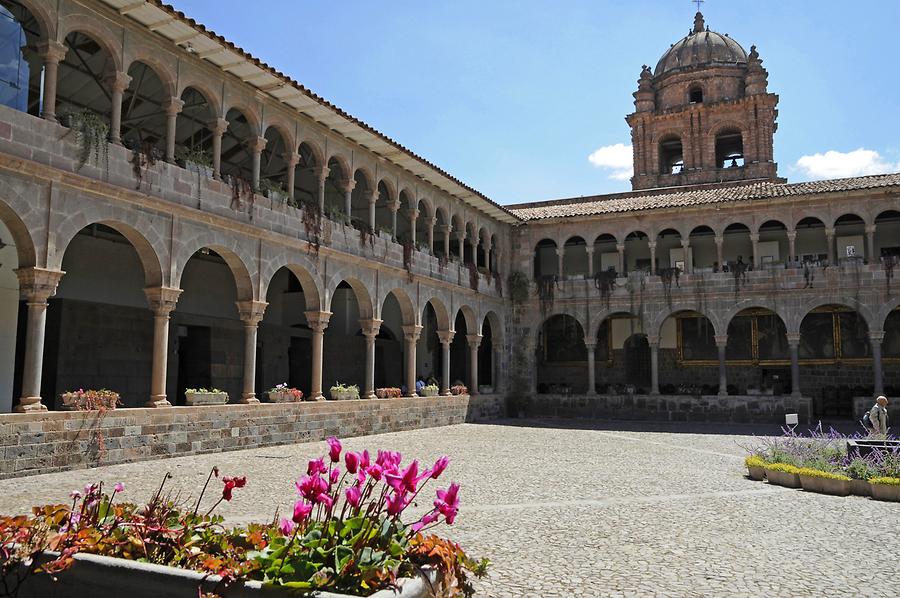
{"x": 56, "y": 441}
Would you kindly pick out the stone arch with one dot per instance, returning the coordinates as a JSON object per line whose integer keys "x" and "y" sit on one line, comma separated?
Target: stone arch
{"x": 661, "y": 316}
{"x": 212, "y": 98}
{"x": 440, "y": 310}
{"x": 753, "y": 303}
{"x": 470, "y": 317}
{"x": 45, "y": 20}
{"x": 391, "y": 188}
{"x": 408, "y": 311}
{"x": 865, "y": 311}
{"x": 360, "y": 290}
{"x": 605, "y": 233}
{"x": 429, "y": 207}
{"x": 21, "y": 236}
{"x": 810, "y": 213}
{"x": 367, "y": 176}
{"x": 885, "y": 310}
{"x": 92, "y": 27}
{"x": 228, "y": 249}
{"x": 857, "y": 213}
{"x": 343, "y": 162}
{"x": 248, "y": 110}
{"x": 539, "y": 319}
{"x": 314, "y": 148}
{"x": 744, "y": 220}
{"x": 496, "y": 325}
{"x": 301, "y": 267}
{"x": 596, "y": 320}
{"x": 160, "y": 69}
{"x": 770, "y": 220}
{"x": 284, "y": 128}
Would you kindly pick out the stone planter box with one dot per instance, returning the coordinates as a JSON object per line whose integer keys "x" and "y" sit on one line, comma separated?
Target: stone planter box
{"x": 282, "y": 397}
{"x": 205, "y": 398}
{"x": 277, "y": 196}
{"x": 885, "y": 492}
{"x": 756, "y": 472}
{"x": 430, "y": 391}
{"x": 343, "y": 395}
{"x": 94, "y": 576}
{"x": 200, "y": 169}
{"x": 825, "y": 485}
{"x": 388, "y": 393}
{"x": 68, "y": 401}
{"x": 780, "y": 478}
{"x": 860, "y": 488}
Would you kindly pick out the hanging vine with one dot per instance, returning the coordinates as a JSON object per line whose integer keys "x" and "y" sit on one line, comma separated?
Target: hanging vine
{"x": 498, "y": 282}
{"x": 197, "y": 161}
{"x": 240, "y": 188}
{"x": 518, "y": 285}
{"x": 144, "y": 156}
{"x": 700, "y": 289}
{"x": 739, "y": 272}
{"x": 546, "y": 288}
{"x": 408, "y": 248}
{"x": 473, "y": 276}
{"x": 312, "y": 224}
{"x": 667, "y": 276}
{"x": 809, "y": 276}
{"x": 366, "y": 234}
{"x": 887, "y": 264}
{"x": 92, "y": 135}
{"x": 605, "y": 281}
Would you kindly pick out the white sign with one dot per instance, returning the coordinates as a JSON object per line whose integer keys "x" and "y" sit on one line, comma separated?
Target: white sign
{"x": 790, "y": 419}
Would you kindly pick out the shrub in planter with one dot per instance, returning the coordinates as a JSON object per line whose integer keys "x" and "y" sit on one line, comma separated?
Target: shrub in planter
{"x": 282, "y": 393}
{"x": 430, "y": 390}
{"x": 341, "y": 392}
{"x": 824, "y": 482}
{"x": 756, "y": 467}
{"x": 345, "y": 533}
{"x": 885, "y": 488}
{"x": 205, "y": 396}
{"x": 782, "y": 474}
{"x": 459, "y": 389}
{"x": 89, "y": 400}
{"x": 390, "y": 392}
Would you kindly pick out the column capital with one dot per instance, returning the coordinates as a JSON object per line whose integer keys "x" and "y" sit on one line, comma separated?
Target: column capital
{"x": 292, "y": 159}
{"x": 719, "y": 239}
{"x": 52, "y": 51}
{"x": 431, "y": 221}
{"x": 876, "y": 336}
{"x": 321, "y": 173}
{"x": 829, "y": 232}
{"x": 318, "y": 320}
{"x": 251, "y": 312}
{"x": 371, "y": 196}
{"x": 792, "y": 235}
{"x": 474, "y": 340}
{"x": 446, "y": 336}
{"x": 412, "y": 333}
{"x": 686, "y": 242}
{"x": 793, "y": 339}
{"x": 444, "y": 228}
{"x": 653, "y": 341}
{"x": 217, "y": 125}
{"x": 256, "y": 143}
{"x": 38, "y": 284}
{"x": 173, "y": 106}
{"x": 754, "y": 237}
{"x": 620, "y": 247}
{"x": 590, "y": 346}
{"x": 348, "y": 185}
{"x": 459, "y": 235}
{"x": 413, "y": 214}
{"x": 370, "y": 328}
{"x": 117, "y": 81}
{"x": 394, "y": 206}
{"x": 870, "y": 229}
{"x": 589, "y": 249}
{"x": 650, "y": 244}
{"x": 162, "y": 300}
{"x": 721, "y": 340}
{"x": 560, "y": 251}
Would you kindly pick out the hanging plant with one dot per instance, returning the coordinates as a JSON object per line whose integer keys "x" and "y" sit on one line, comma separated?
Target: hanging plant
{"x": 739, "y": 272}
{"x": 408, "y": 247}
{"x": 498, "y": 282}
{"x": 667, "y": 275}
{"x": 605, "y": 281}
{"x": 808, "y": 276}
{"x": 473, "y": 276}
{"x": 92, "y": 135}
{"x": 636, "y": 279}
{"x": 518, "y": 285}
{"x": 312, "y": 224}
{"x": 143, "y": 157}
{"x": 546, "y": 289}
{"x": 887, "y": 264}
{"x": 366, "y": 233}
{"x": 700, "y": 288}
{"x": 240, "y": 188}
{"x": 443, "y": 260}
{"x": 197, "y": 161}
{"x": 274, "y": 190}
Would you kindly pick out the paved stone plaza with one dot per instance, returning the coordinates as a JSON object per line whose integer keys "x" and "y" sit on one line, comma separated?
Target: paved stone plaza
{"x": 615, "y": 510}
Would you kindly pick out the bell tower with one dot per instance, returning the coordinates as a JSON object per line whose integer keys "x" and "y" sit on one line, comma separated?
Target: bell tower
{"x": 704, "y": 115}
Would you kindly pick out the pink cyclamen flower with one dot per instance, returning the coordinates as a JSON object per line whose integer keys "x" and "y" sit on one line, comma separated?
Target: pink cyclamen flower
{"x": 334, "y": 449}
{"x": 396, "y": 502}
{"x": 447, "y": 502}
{"x": 286, "y": 527}
{"x": 351, "y": 460}
{"x": 426, "y": 519}
{"x": 364, "y": 460}
{"x": 375, "y": 471}
{"x": 407, "y": 480}
{"x": 310, "y": 487}
{"x": 439, "y": 466}
{"x": 354, "y": 496}
{"x": 119, "y": 487}
{"x": 301, "y": 511}
{"x": 334, "y": 475}
{"x": 316, "y": 466}
{"x": 74, "y": 494}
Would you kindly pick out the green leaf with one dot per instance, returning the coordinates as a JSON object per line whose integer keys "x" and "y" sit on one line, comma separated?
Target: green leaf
{"x": 342, "y": 556}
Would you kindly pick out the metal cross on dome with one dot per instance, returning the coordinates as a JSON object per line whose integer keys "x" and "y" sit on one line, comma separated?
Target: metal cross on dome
{"x": 698, "y": 3}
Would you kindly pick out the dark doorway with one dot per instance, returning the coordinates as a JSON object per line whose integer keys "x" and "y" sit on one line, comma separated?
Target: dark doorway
{"x": 637, "y": 360}
{"x": 299, "y": 362}
{"x": 194, "y": 350}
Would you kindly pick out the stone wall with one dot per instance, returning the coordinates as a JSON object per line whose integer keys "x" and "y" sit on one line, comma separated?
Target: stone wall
{"x": 736, "y": 409}
{"x": 56, "y": 441}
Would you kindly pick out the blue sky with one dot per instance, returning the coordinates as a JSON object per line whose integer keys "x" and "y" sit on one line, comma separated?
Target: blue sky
{"x": 512, "y": 97}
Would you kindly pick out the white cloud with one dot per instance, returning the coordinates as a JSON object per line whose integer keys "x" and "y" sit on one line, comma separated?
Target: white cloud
{"x": 616, "y": 158}
{"x": 835, "y": 165}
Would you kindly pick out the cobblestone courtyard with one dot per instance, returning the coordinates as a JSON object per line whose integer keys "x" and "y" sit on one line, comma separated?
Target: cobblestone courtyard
{"x": 611, "y": 511}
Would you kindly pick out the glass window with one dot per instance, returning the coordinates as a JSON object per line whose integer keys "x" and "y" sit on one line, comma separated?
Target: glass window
{"x": 13, "y": 67}
{"x": 697, "y": 339}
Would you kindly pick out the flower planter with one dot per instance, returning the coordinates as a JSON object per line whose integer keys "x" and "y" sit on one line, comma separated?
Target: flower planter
{"x": 430, "y": 391}
{"x": 277, "y": 196}
{"x": 756, "y": 472}
{"x": 344, "y": 395}
{"x": 205, "y": 398}
{"x": 388, "y": 393}
{"x": 889, "y": 492}
{"x": 93, "y": 576}
{"x": 74, "y": 401}
{"x": 282, "y": 397}
{"x": 200, "y": 169}
{"x": 811, "y": 483}
{"x": 860, "y": 488}
{"x": 780, "y": 478}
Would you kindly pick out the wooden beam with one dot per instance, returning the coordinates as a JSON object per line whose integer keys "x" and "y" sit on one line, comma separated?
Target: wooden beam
{"x": 130, "y": 8}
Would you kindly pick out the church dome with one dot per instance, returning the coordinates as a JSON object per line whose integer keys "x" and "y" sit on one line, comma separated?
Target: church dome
{"x": 701, "y": 47}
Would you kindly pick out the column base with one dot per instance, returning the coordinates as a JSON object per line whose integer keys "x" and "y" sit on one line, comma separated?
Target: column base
{"x": 797, "y": 395}
{"x": 158, "y": 401}
{"x": 446, "y": 393}
{"x": 318, "y": 397}
{"x": 249, "y": 398}
{"x": 591, "y": 393}
{"x": 654, "y": 392}
{"x": 30, "y": 405}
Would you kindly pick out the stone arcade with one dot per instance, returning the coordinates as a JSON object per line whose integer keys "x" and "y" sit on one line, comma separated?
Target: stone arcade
{"x": 239, "y": 231}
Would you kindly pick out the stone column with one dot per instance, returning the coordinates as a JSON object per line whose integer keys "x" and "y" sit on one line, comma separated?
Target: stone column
{"x": 37, "y": 285}
{"x": 256, "y": 145}
{"x": 875, "y": 339}
{"x": 461, "y": 240}
{"x": 173, "y": 107}
{"x": 829, "y": 239}
{"x": 370, "y": 329}
{"x": 592, "y": 380}
{"x": 445, "y": 231}
{"x": 117, "y": 83}
{"x": 473, "y": 243}
{"x": 446, "y": 337}
{"x": 793, "y": 339}
{"x": 413, "y": 216}
{"x": 531, "y": 352}
{"x": 871, "y": 258}
{"x": 348, "y": 187}
{"x": 720, "y": 251}
{"x": 754, "y": 240}
{"x": 560, "y": 256}
{"x": 652, "y": 245}
{"x": 52, "y": 52}
{"x": 162, "y": 301}
{"x": 792, "y": 239}
{"x": 411, "y": 334}
{"x": 321, "y": 174}
{"x": 590, "y": 259}
{"x": 318, "y": 321}
{"x": 686, "y": 251}
{"x": 620, "y": 247}
{"x": 372, "y": 199}
{"x": 654, "y": 364}
{"x": 292, "y": 159}
{"x": 721, "y": 344}
{"x": 251, "y": 313}
{"x": 431, "y": 222}
{"x": 395, "y": 207}
{"x": 474, "y": 342}
{"x": 217, "y": 127}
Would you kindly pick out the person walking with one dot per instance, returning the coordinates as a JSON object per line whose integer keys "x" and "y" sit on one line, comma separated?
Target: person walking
{"x": 878, "y": 417}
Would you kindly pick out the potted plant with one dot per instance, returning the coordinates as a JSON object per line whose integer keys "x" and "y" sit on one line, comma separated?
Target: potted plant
{"x": 341, "y": 392}
{"x": 824, "y": 482}
{"x": 430, "y": 390}
{"x": 756, "y": 467}
{"x": 205, "y": 396}
{"x": 195, "y": 160}
{"x": 860, "y": 470}
{"x": 389, "y": 392}
{"x": 459, "y": 389}
{"x": 274, "y": 190}
{"x": 92, "y": 135}
{"x": 782, "y": 474}
{"x": 282, "y": 393}
{"x": 88, "y": 400}
{"x": 885, "y": 488}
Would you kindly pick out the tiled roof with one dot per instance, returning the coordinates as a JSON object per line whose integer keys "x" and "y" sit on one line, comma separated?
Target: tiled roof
{"x": 648, "y": 200}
